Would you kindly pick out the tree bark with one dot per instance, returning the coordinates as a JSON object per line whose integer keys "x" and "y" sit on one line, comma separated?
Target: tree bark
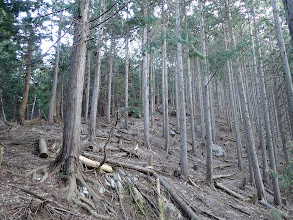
{"x": 183, "y": 147}
{"x": 88, "y": 85}
{"x": 24, "y": 100}
{"x": 69, "y": 152}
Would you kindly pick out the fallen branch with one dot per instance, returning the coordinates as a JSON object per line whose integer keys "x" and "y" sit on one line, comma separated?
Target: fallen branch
{"x": 231, "y": 192}
{"x": 222, "y": 176}
{"x": 130, "y": 152}
{"x": 95, "y": 164}
{"x": 222, "y": 166}
{"x": 283, "y": 214}
{"x": 108, "y": 140}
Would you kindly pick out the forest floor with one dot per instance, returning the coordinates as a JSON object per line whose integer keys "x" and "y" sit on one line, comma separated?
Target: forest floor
{"x": 23, "y": 196}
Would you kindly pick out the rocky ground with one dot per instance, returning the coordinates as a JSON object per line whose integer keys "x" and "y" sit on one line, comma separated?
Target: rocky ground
{"x": 27, "y": 193}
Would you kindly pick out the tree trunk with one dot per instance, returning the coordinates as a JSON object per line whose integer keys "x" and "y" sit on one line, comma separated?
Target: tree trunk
{"x": 190, "y": 91}
{"x": 88, "y": 85}
{"x": 165, "y": 83}
{"x": 145, "y": 85}
{"x": 2, "y": 106}
{"x": 248, "y": 128}
{"x": 264, "y": 99}
{"x": 288, "y": 6}
{"x": 259, "y": 111}
{"x": 52, "y": 108}
{"x": 176, "y": 95}
{"x": 278, "y": 109}
{"x": 97, "y": 78}
{"x": 108, "y": 113}
{"x": 208, "y": 135}
{"x": 285, "y": 64}
{"x": 126, "y": 74}
{"x": 69, "y": 152}
{"x": 234, "y": 109}
{"x": 183, "y": 147}
{"x": 24, "y": 100}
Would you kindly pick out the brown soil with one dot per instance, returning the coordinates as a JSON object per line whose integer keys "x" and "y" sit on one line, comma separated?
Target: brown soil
{"x": 24, "y": 197}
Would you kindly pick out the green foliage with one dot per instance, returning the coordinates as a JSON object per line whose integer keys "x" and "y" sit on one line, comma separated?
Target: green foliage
{"x": 286, "y": 177}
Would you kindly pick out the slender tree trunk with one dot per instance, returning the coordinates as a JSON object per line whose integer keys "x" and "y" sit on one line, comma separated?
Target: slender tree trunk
{"x": 177, "y": 95}
{"x": 69, "y": 152}
{"x": 152, "y": 84}
{"x": 165, "y": 82}
{"x": 247, "y": 124}
{"x": 33, "y": 108}
{"x": 234, "y": 109}
{"x": 145, "y": 85}
{"x": 183, "y": 147}
{"x": 52, "y": 107}
{"x": 97, "y": 79}
{"x": 285, "y": 64}
{"x": 208, "y": 135}
{"x": 126, "y": 74}
{"x": 108, "y": 113}
{"x": 88, "y": 85}
{"x": 189, "y": 92}
{"x": 288, "y": 6}
{"x": 264, "y": 99}
{"x": 259, "y": 111}
{"x": 2, "y": 106}
{"x": 278, "y": 108}
{"x": 199, "y": 80}
{"x": 24, "y": 100}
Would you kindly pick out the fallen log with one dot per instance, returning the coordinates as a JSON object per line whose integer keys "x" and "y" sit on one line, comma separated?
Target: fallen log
{"x": 283, "y": 214}
{"x": 92, "y": 163}
{"x": 231, "y": 192}
{"x": 43, "y": 150}
{"x": 177, "y": 198}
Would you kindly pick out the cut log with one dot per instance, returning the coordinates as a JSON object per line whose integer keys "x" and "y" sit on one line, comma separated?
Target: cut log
{"x": 133, "y": 167}
{"x": 231, "y": 192}
{"x": 92, "y": 163}
{"x": 283, "y": 214}
{"x": 43, "y": 150}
